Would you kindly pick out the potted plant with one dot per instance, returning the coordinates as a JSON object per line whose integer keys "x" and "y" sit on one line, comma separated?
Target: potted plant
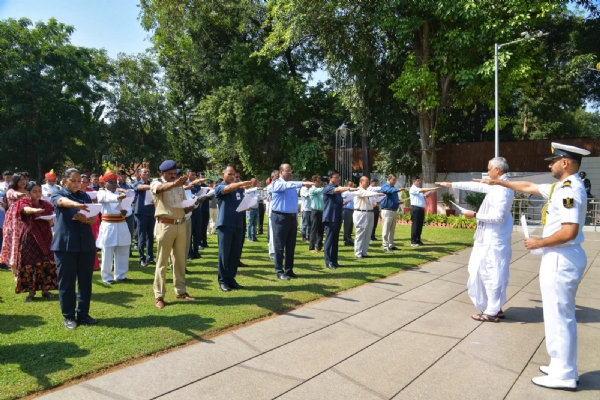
{"x": 447, "y": 199}
{"x": 405, "y": 197}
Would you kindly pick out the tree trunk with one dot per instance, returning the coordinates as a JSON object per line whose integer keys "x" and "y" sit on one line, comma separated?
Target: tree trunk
{"x": 365, "y": 150}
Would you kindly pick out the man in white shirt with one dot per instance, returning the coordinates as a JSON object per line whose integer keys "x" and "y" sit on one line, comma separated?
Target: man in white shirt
{"x": 490, "y": 258}
{"x": 50, "y": 187}
{"x": 363, "y": 217}
{"x": 306, "y": 209}
{"x": 417, "y": 210}
{"x": 563, "y": 260}
{"x": 7, "y": 175}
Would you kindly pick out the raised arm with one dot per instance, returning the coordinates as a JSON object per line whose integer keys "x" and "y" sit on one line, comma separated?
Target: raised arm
{"x": 517, "y": 186}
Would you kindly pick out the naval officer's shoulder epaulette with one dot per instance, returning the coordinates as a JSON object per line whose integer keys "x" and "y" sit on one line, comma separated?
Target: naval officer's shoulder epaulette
{"x": 566, "y": 183}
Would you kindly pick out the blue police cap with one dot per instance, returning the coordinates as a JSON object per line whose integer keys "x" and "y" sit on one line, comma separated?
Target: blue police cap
{"x": 167, "y": 165}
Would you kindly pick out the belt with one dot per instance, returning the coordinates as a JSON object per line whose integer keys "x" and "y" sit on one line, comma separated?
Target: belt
{"x": 364, "y": 210}
{"x": 113, "y": 218}
{"x": 170, "y": 221}
{"x": 282, "y": 213}
{"x": 390, "y": 209}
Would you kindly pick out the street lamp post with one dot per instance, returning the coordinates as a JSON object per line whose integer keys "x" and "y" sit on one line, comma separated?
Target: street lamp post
{"x": 343, "y": 152}
{"x": 526, "y": 36}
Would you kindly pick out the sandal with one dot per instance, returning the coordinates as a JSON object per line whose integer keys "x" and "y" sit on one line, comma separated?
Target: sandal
{"x": 48, "y": 295}
{"x": 485, "y": 318}
{"x": 500, "y": 314}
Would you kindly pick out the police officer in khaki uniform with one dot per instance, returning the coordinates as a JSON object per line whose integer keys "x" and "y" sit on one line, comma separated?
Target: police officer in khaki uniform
{"x": 563, "y": 261}
{"x": 170, "y": 231}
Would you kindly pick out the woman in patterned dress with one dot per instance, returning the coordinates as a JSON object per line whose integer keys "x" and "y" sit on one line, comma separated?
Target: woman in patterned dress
{"x": 37, "y": 268}
{"x": 12, "y": 222}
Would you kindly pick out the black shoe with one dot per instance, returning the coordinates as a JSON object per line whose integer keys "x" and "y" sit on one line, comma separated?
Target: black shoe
{"x": 124, "y": 280}
{"x": 283, "y": 277}
{"x": 109, "y": 282}
{"x": 224, "y": 287}
{"x": 143, "y": 263}
{"x": 291, "y": 274}
{"x": 187, "y": 271}
{"x": 205, "y": 245}
{"x": 235, "y": 285}
{"x": 4, "y": 267}
{"x": 337, "y": 265}
{"x": 70, "y": 323}
{"x": 151, "y": 262}
{"x": 373, "y": 238}
{"x": 421, "y": 243}
{"x": 331, "y": 266}
{"x": 389, "y": 249}
{"x": 255, "y": 240}
{"x": 393, "y": 248}
{"x": 241, "y": 264}
{"x": 87, "y": 320}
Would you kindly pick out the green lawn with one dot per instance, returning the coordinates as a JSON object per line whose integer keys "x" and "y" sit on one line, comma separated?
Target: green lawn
{"x": 37, "y": 352}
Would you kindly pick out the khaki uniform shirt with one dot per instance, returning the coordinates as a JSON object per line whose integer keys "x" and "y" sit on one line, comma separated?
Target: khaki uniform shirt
{"x": 167, "y": 204}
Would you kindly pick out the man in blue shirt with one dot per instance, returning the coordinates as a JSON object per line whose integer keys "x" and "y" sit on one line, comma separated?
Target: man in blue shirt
{"x": 284, "y": 218}
{"x": 144, "y": 214}
{"x": 74, "y": 250}
{"x": 230, "y": 228}
{"x": 332, "y": 217}
{"x": 389, "y": 212}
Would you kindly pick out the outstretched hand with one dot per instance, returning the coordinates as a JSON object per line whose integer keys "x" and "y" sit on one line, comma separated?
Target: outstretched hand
{"x": 444, "y": 184}
{"x": 487, "y": 181}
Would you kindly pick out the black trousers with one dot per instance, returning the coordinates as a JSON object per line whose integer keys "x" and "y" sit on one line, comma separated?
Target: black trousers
{"x": 145, "y": 231}
{"x": 348, "y": 225}
{"x": 129, "y": 221}
{"x": 261, "y": 217}
{"x": 204, "y": 225}
{"x": 417, "y": 216}
{"x": 196, "y": 234}
{"x": 332, "y": 239}
{"x": 375, "y": 221}
{"x": 284, "y": 241}
{"x": 316, "y": 230}
{"x": 75, "y": 269}
{"x": 229, "y": 252}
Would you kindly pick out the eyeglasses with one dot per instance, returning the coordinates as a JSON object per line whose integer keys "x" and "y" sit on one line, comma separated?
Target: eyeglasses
{"x": 74, "y": 180}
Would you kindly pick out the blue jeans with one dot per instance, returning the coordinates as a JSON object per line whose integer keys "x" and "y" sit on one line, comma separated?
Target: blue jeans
{"x": 305, "y": 227}
{"x": 252, "y": 223}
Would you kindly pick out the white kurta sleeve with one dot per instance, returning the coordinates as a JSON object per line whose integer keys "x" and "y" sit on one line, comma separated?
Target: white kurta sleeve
{"x": 472, "y": 186}
{"x": 498, "y": 209}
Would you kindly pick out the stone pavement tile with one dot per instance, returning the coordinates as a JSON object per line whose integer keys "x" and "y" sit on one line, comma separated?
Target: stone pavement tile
{"x": 460, "y": 275}
{"x": 314, "y": 353}
{"x": 274, "y": 332}
{"x": 354, "y": 300}
{"x": 462, "y": 377}
{"x": 436, "y": 291}
{"x": 404, "y": 281}
{"x": 390, "y": 364}
{"x": 437, "y": 267}
{"x": 533, "y": 287}
{"x": 175, "y": 369}
{"x": 82, "y": 392}
{"x": 332, "y": 386}
{"x": 521, "y": 278}
{"x": 237, "y": 383}
{"x": 588, "y": 289}
{"x": 593, "y": 273}
{"x": 529, "y": 256}
{"x": 389, "y": 316}
{"x": 459, "y": 258}
{"x": 526, "y": 265}
{"x": 451, "y": 319}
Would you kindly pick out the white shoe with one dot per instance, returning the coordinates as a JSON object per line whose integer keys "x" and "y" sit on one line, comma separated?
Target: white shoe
{"x": 553, "y": 383}
{"x": 546, "y": 370}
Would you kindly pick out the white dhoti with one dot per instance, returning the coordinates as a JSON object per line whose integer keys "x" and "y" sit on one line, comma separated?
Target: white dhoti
{"x": 488, "y": 277}
{"x": 560, "y": 273}
{"x": 114, "y": 240}
{"x": 363, "y": 222}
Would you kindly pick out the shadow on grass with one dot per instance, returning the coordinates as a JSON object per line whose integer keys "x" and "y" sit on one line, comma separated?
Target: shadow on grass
{"x": 188, "y": 324}
{"x": 120, "y": 298}
{"x": 275, "y": 303}
{"x": 50, "y": 357}
{"x": 14, "y": 323}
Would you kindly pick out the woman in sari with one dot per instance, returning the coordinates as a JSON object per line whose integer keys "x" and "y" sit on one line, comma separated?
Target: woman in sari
{"x": 85, "y": 187}
{"x": 13, "y": 222}
{"x": 36, "y": 269}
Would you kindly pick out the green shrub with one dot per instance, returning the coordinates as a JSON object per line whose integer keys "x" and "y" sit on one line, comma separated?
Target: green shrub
{"x": 447, "y": 198}
{"x": 463, "y": 222}
{"x": 474, "y": 199}
{"x": 405, "y": 198}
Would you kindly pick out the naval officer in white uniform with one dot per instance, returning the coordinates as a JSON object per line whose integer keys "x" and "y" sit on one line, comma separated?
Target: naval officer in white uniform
{"x": 563, "y": 261}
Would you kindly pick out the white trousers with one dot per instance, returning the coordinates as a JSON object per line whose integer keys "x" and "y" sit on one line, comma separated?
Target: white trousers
{"x": 214, "y": 214}
{"x": 488, "y": 279}
{"x": 388, "y": 227}
{"x": 363, "y": 222}
{"x": 560, "y": 273}
{"x": 120, "y": 254}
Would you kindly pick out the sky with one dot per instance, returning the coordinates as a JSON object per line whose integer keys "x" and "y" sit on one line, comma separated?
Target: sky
{"x": 109, "y": 24}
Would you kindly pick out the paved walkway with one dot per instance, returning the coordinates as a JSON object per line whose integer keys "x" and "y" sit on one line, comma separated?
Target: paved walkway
{"x": 409, "y": 336}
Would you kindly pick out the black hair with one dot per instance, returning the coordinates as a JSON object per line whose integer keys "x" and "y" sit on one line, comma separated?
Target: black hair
{"x": 31, "y": 185}
{"x": 94, "y": 175}
{"x": 14, "y": 183}
{"x": 390, "y": 176}
{"x": 69, "y": 171}
{"x": 331, "y": 173}
{"x": 7, "y": 173}
{"x": 416, "y": 178}
{"x": 225, "y": 168}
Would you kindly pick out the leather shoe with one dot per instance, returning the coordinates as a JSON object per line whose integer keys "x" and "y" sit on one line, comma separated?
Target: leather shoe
{"x": 159, "y": 303}
{"x": 87, "y": 320}
{"x": 151, "y": 262}
{"x": 337, "y": 265}
{"x": 393, "y": 248}
{"x": 553, "y": 383}
{"x": 124, "y": 280}
{"x": 70, "y": 323}
{"x": 224, "y": 287}
{"x": 331, "y": 266}
{"x": 235, "y": 285}
{"x": 283, "y": 277}
{"x": 241, "y": 264}
{"x": 546, "y": 370}
{"x": 184, "y": 296}
{"x": 291, "y": 274}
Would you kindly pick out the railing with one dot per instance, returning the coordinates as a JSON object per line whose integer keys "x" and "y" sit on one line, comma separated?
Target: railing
{"x": 532, "y": 205}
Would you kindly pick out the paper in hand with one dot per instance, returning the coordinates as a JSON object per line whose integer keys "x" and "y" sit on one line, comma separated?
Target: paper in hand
{"x": 126, "y": 202}
{"x": 93, "y": 195}
{"x": 47, "y": 217}
{"x": 94, "y": 209}
{"x": 526, "y": 233}
{"x": 187, "y": 203}
{"x": 462, "y": 209}
{"x": 149, "y": 198}
{"x": 249, "y": 201}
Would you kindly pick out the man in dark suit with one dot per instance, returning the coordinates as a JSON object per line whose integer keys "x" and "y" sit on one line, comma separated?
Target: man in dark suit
{"x": 332, "y": 217}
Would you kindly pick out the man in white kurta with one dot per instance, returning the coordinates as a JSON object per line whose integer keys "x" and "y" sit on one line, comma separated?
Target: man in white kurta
{"x": 563, "y": 261}
{"x": 363, "y": 217}
{"x": 490, "y": 258}
{"x": 114, "y": 238}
